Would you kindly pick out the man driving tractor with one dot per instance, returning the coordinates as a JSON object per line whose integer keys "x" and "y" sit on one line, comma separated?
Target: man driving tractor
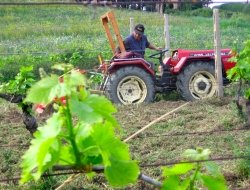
{"x": 137, "y": 42}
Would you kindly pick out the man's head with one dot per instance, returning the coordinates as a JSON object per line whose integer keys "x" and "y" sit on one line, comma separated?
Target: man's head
{"x": 138, "y": 31}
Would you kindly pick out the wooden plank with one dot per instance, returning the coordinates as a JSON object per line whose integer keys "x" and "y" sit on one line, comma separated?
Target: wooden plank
{"x": 109, "y": 17}
{"x": 108, "y": 33}
{"x": 116, "y": 30}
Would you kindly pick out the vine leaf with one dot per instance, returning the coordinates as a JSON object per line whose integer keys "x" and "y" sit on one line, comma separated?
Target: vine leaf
{"x": 198, "y": 154}
{"x": 214, "y": 182}
{"x": 193, "y": 175}
{"x": 49, "y": 88}
{"x": 178, "y": 169}
{"x": 174, "y": 182}
{"x": 121, "y": 173}
{"x": 119, "y": 168}
{"x": 83, "y": 141}
{"x": 91, "y": 109}
{"x": 44, "y": 150}
{"x": 46, "y": 90}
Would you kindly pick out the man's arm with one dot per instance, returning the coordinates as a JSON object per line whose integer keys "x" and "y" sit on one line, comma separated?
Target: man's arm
{"x": 151, "y": 46}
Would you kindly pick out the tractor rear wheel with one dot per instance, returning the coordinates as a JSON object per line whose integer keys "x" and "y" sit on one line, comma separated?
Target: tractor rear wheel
{"x": 130, "y": 85}
{"x": 197, "y": 81}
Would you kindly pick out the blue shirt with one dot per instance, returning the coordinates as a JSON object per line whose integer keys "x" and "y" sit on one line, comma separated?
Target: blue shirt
{"x": 131, "y": 44}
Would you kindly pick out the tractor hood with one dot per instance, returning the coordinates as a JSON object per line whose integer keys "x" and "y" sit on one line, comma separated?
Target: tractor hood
{"x": 198, "y": 53}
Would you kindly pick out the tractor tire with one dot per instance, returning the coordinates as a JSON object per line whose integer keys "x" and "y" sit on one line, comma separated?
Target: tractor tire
{"x": 197, "y": 81}
{"x": 130, "y": 85}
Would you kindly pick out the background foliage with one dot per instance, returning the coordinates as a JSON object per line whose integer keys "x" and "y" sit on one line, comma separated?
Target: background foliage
{"x": 45, "y": 35}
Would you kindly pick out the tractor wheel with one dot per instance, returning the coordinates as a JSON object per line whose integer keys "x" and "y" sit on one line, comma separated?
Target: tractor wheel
{"x": 197, "y": 81}
{"x": 130, "y": 85}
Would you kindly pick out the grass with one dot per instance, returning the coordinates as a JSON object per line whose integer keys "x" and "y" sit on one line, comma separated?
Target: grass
{"x": 39, "y": 33}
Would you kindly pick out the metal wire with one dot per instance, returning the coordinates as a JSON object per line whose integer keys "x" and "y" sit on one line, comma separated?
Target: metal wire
{"x": 193, "y": 133}
{"x": 157, "y": 164}
{"x": 227, "y": 158}
{"x": 246, "y": 128}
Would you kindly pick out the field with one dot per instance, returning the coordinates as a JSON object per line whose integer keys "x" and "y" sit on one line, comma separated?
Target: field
{"x": 45, "y": 35}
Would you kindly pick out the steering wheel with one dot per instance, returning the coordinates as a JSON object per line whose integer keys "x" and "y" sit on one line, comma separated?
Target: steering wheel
{"x": 158, "y": 53}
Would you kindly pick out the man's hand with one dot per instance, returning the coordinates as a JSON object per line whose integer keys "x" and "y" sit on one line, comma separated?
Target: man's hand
{"x": 159, "y": 49}
{"x": 151, "y": 46}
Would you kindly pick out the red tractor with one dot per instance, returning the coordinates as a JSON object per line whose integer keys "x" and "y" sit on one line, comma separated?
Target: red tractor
{"x": 133, "y": 80}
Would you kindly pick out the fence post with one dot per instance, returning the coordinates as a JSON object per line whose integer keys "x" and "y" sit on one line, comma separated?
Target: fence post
{"x": 217, "y": 52}
{"x": 131, "y": 25}
{"x": 166, "y": 34}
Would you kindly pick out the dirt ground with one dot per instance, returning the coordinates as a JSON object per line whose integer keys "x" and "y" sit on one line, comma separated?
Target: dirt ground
{"x": 192, "y": 126}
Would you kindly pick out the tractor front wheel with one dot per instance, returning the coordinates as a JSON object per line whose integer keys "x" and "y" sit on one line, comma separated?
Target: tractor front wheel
{"x": 197, "y": 81}
{"x": 130, "y": 85}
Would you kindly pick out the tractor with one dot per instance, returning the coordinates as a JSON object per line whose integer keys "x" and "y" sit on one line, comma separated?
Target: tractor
{"x": 133, "y": 80}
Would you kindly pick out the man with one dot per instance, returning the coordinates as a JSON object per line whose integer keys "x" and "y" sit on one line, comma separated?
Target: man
{"x": 137, "y": 42}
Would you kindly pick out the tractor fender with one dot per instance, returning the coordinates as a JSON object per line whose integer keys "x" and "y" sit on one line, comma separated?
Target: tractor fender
{"x": 184, "y": 61}
{"x": 139, "y": 62}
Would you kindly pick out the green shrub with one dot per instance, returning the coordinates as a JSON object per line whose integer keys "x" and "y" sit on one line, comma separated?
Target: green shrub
{"x": 10, "y": 65}
{"x": 204, "y": 12}
{"x": 246, "y": 9}
{"x": 234, "y": 7}
{"x": 80, "y": 58}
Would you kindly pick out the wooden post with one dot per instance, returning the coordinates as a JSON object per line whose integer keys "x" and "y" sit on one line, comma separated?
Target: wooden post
{"x": 217, "y": 52}
{"x": 131, "y": 25}
{"x": 166, "y": 34}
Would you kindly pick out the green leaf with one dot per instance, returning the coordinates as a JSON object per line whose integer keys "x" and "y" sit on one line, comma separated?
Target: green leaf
{"x": 44, "y": 150}
{"x": 198, "y": 154}
{"x": 98, "y": 103}
{"x": 172, "y": 182}
{"x": 120, "y": 173}
{"x": 119, "y": 168}
{"x": 91, "y": 109}
{"x": 82, "y": 130}
{"x": 46, "y": 90}
{"x": 84, "y": 111}
{"x": 110, "y": 145}
{"x": 76, "y": 79}
{"x": 214, "y": 183}
{"x": 247, "y": 94}
{"x": 66, "y": 155}
{"x": 178, "y": 169}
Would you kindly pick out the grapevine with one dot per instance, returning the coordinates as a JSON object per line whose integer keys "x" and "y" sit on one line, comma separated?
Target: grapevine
{"x": 80, "y": 133}
{"x": 192, "y": 176}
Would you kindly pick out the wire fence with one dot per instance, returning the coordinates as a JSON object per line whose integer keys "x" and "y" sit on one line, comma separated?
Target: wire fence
{"x": 244, "y": 128}
{"x": 156, "y": 164}
{"x": 192, "y": 133}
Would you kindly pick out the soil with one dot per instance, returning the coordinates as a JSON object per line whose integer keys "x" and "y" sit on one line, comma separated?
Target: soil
{"x": 164, "y": 141}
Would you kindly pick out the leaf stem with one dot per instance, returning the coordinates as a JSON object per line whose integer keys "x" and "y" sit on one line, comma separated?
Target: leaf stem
{"x": 194, "y": 176}
{"x": 69, "y": 124}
